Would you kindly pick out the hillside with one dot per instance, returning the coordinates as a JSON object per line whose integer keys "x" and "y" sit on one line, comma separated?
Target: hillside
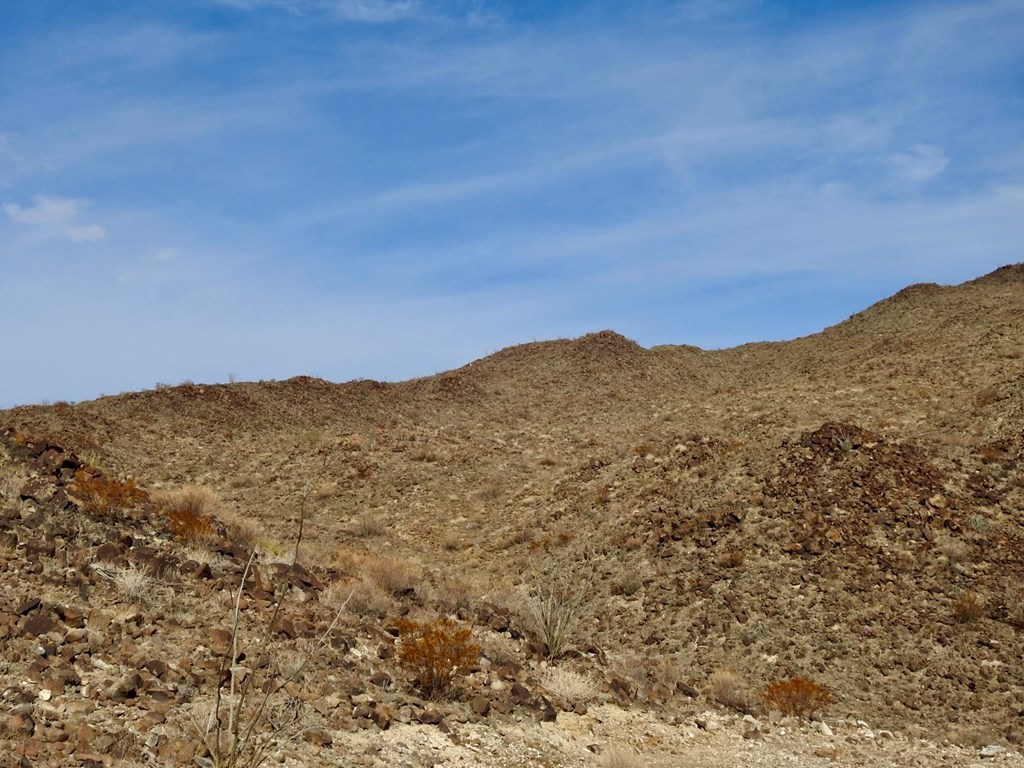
{"x": 846, "y": 507}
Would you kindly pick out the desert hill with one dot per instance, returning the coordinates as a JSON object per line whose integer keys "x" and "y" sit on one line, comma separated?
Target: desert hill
{"x": 846, "y": 507}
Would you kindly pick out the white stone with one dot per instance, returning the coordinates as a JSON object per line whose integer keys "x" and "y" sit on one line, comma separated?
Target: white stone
{"x": 45, "y": 694}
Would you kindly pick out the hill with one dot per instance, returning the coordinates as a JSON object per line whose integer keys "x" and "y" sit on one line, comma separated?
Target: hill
{"x": 845, "y": 507}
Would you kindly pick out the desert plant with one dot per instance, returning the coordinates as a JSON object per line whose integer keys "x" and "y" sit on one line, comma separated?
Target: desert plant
{"x": 554, "y": 614}
{"x": 133, "y": 582}
{"x": 247, "y": 724}
{"x": 101, "y": 494}
{"x": 569, "y": 685}
{"x": 728, "y": 688}
{"x": 1014, "y": 603}
{"x": 621, "y": 757}
{"x": 796, "y": 696}
{"x": 968, "y": 607}
{"x": 189, "y": 511}
{"x": 436, "y": 652}
{"x": 250, "y": 721}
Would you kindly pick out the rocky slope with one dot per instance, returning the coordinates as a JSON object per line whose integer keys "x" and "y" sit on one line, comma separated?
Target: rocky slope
{"x": 845, "y": 507}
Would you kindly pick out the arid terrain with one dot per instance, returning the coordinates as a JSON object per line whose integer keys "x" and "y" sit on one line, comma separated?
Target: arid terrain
{"x": 845, "y": 508}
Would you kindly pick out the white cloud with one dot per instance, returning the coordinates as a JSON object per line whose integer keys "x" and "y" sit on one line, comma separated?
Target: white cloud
{"x": 376, "y": 11}
{"x": 922, "y": 163}
{"x": 367, "y": 11}
{"x": 46, "y": 210}
{"x": 55, "y": 215}
{"x": 90, "y": 233}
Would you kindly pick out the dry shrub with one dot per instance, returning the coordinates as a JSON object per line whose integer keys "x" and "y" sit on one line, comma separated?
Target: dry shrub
{"x": 364, "y": 598}
{"x": 728, "y": 688}
{"x": 436, "y": 653}
{"x": 569, "y": 685}
{"x": 1014, "y": 602}
{"x": 394, "y": 575}
{"x": 796, "y": 696}
{"x": 731, "y": 559}
{"x": 100, "y": 494}
{"x": 968, "y": 607}
{"x": 368, "y": 525}
{"x": 621, "y": 757}
{"x": 189, "y": 511}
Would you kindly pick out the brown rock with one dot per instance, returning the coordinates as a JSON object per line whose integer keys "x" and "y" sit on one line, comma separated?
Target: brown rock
{"x": 521, "y": 694}
{"x": 39, "y": 624}
{"x": 431, "y": 716}
{"x": 28, "y": 606}
{"x": 321, "y": 737}
{"x": 480, "y": 705}
{"x": 103, "y": 744}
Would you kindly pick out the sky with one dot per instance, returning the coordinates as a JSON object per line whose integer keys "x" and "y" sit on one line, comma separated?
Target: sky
{"x": 215, "y": 190}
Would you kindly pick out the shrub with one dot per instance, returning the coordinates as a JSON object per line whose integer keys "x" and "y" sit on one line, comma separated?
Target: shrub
{"x": 968, "y": 607}
{"x": 569, "y": 685}
{"x": 189, "y": 512}
{"x": 555, "y": 614}
{"x": 436, "y": 653}
{"x": 728, "y": 689}
{"x": 620, "y": 757}
{"x": 100, "y": 494}
{"x": 796, "y": 696}
{"x": 134, "y": 583}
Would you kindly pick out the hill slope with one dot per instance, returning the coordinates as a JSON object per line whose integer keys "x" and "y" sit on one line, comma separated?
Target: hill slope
{"x": 847, "y": 506}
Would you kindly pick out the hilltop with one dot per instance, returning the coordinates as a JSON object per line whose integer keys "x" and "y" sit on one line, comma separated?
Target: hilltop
{"x": 846, "y": 507}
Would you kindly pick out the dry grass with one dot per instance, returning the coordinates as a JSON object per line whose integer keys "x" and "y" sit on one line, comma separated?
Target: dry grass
{"x": 567, "y": 684}
{"x": 968, "y": 607}
{"x": 190, "y": 512}
{"x": 728, "y": 688}
{"x": 621, "y": 757}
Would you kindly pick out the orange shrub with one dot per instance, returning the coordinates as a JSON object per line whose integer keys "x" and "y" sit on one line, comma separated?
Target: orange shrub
{"x": 796, "y": 696}
{"x": 436, "y": 653}
{"x": 100, "y": 494}
{"x": 188, "y": 511}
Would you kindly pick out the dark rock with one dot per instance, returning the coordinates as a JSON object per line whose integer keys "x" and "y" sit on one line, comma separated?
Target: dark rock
{"x": 321, "y": 737}
{"x": 39, "y": 624}
{"x": 480, "y": 705}
{"x": 28, "y": 606}
{"x": 381, "y": 680}
{"x": 108, "y": 552}
{"x": 156, "y": 667}
{"x": 521, "y": 694}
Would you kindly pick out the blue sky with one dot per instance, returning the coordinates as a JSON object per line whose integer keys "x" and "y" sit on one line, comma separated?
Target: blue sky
{"x": 385, "y": 189}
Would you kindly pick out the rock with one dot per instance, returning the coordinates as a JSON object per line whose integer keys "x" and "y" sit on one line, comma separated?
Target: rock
{"x": 824, "y": 730}
{"x": 321, "y": 737}
{"x": 548, "y": 714}
{"x": 103, "y": 744}
{"x": 521, "y": 694}
{"x": 992, "y": 750}
{"x": 28, "y": 606}
{"x": 431, "y": 716}
{"x": 381, "y": 680}
{"x": 480, "y": 706}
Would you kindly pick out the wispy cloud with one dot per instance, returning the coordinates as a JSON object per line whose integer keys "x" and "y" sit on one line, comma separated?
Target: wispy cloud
{"x": 52, "y": 215}
{"x": 921, "y": 163}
